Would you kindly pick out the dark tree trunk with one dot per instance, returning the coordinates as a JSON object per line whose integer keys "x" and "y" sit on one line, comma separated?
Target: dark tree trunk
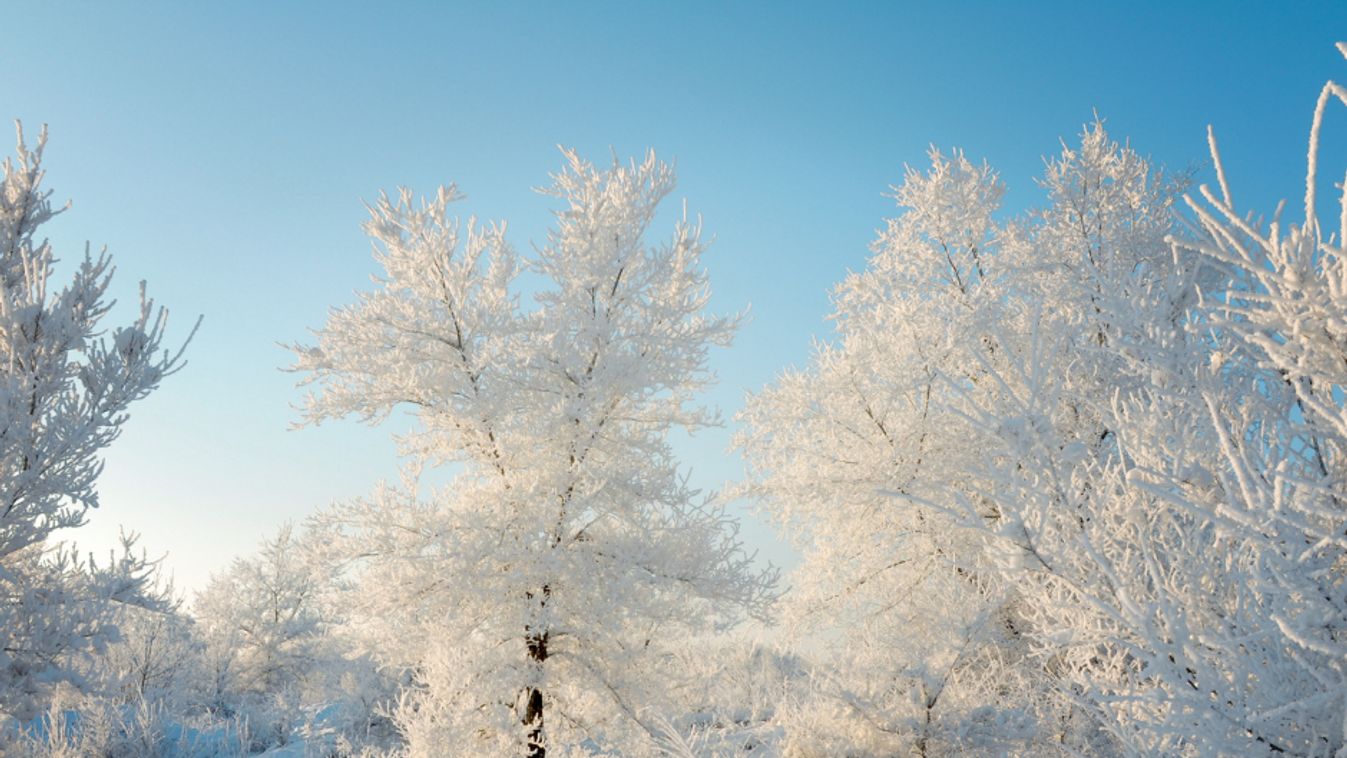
{"x": 533, "y": 710}
{"x": 536, "y": 639}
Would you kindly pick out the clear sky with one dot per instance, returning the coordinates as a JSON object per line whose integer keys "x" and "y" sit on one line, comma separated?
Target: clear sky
{"x": 221, "y": 151}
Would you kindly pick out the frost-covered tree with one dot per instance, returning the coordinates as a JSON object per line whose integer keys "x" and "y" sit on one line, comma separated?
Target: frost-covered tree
{"x": 1272, "y": 399}
{"x": 1183, "y": 575}
{"x": 526, "y": 595}
{"x": 266, "y": 610}
{"x": 266, "y": 634}
{"x": 65, "y": 387}
{"x": 156, "y": 656}
{"x": 875, "y": 461}
{"x": 825, "y": 444}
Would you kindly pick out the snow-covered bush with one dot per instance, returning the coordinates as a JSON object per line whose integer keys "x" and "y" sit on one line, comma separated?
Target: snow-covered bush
{"x": 78, "y": 725}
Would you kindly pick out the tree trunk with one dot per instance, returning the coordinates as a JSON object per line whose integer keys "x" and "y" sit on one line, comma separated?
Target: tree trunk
{"x": 533, "y": 710}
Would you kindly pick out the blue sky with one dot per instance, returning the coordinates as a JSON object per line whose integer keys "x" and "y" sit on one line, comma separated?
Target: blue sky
{"x": 222, "y": 150}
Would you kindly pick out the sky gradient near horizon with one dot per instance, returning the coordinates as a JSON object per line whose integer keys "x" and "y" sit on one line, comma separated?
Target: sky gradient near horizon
{"x": 221, "y": 152}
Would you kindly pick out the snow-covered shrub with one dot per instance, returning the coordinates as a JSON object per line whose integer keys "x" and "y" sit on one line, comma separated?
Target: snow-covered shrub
{"x": 725, "y": 693}
{"x": 78, "y": 725}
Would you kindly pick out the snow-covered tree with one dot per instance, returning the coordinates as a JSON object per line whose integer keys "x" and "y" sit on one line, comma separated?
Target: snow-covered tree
{"x": 875, "y": 460}
{"x": 267, "y": 606}
{"x": 1181, "y": 570}
{"x": 266, "y": 634}
{"x": 156, "y": 656}
{"x": 825, "y": 444}
{"x": 65, "y": 387}
{"x": 569, "y": 547}
{"x": 1272, "y": 403}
